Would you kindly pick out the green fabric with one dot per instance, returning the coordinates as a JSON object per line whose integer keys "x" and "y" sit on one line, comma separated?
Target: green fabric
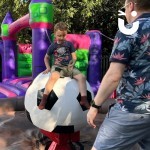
{"x": 24, "y": 64}
{"x": 41, "y": 12}
{"x": 25, "y": 57}
{"x": 24, "y": 72}
{"x": 4, "y": 28}
{"x": 82, "y": 60}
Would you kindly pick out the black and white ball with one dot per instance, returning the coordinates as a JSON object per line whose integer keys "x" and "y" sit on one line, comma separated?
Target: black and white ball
{"x": 63, "y": 112}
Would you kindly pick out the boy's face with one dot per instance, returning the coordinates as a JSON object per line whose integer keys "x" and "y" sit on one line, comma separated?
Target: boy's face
{"x": 60, "y": 36}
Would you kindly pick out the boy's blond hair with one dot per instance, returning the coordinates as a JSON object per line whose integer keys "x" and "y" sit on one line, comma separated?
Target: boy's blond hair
{"x": 60, "y": 26}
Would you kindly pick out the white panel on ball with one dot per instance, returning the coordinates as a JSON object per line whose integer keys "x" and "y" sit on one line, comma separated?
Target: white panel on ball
{"x": 65, "y": 112}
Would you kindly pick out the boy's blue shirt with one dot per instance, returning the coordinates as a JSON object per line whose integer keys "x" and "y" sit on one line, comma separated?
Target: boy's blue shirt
{"x": 61, "y": 52}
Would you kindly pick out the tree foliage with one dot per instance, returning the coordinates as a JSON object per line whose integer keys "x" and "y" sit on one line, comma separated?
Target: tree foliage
{"x": 17, "y": 8}
{"x": 83, "y": 15}
{"x": 80, "y": 15}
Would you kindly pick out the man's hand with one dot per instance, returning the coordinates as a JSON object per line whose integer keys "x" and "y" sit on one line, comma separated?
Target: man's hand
{"x": 47, "y": 71}
{"x": 91, "y": 116}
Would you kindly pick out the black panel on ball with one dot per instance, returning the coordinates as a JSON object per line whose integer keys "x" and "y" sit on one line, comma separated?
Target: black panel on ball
{"x": 89, "y": 99}
{"x": 51, "y": 100}
{"x": 89, "y": 96}
{"x": 28, "y": 116}
{"x": 64, "y": 129}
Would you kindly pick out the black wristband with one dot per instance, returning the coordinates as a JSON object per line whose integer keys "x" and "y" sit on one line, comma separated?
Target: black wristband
{"x": 94, "y": 105}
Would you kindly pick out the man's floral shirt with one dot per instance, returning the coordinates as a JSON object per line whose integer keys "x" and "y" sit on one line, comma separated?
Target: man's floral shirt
{"x": 133, "y": 91}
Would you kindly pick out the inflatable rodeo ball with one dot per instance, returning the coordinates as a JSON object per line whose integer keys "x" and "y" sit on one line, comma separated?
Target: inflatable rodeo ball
{"x": 63, "y": 109}
{"x": 63, "y": 113}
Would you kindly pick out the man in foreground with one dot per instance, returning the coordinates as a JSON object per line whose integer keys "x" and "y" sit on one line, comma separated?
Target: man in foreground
{"x": 128, "y": 121}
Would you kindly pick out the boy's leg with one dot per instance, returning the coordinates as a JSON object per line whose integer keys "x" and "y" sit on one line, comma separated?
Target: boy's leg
{"x": 50, "y": 83}
{"x": 48, "y": 88}
{"x": 83, "y": 89}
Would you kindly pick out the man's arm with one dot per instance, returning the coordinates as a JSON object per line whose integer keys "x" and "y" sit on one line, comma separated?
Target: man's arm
{"x": 109, "y": 82}
{"x": 108, "y": 85}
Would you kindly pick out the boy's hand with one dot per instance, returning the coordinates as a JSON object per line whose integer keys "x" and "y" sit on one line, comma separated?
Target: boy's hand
{"x": 71, "y": 65}
{"x": 47, "y": 71}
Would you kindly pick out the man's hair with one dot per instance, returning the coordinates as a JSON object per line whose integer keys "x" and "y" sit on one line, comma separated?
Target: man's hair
{"x": 142, "y": 5}
{"x": 60, "y": 26}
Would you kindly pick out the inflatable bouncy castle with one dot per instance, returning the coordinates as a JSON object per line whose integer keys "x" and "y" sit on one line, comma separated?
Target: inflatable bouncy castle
{"x": 20, "y": 63}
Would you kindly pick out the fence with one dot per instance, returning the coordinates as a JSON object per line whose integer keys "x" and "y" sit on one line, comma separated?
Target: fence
{"x": 104, "y": 64}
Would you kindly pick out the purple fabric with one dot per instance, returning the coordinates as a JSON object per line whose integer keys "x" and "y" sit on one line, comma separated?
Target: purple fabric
{"x": 23, "y": 82}
{"x": 8, "y": 19}
{"x": 19, "y": 83}
{"x": 40, "y": 44}
{"x": 23, "y": 79}
{"x": 2, "y": 95}
{"x": 41, "y": 1}
{"x": 14, "y": 89}
{"x": 9, "y": 59}
{"x": 94, "y": 67}
{"x": 1, "y": 48}
{"x": 22, "y": 88}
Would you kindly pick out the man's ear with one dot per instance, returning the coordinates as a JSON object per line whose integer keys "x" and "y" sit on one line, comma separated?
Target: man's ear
{"x": 131, "y": 6}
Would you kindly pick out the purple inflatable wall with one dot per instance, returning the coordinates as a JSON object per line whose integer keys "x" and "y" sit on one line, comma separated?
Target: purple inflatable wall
{"x": 94, "y": 67}
{"x": 8, "y": 52}
{"x": 40, "y": 44}
{"x": 41, "y": 22}
{"x": 1, "y": 48}
{"x": 41, "y": 25}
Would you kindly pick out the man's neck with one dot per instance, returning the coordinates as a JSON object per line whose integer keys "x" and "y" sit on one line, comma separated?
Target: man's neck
{"x": 139, "y": 13}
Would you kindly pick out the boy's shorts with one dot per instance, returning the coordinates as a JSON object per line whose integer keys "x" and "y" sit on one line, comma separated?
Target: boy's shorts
{"x": 64, "y": 72}
{"x": 121, "y": 130}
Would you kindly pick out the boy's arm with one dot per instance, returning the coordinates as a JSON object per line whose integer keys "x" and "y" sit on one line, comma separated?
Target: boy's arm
{"x": 72, "y": 51}
{"x": 74, "y": 58}
{"x": 73, "y": 61}
{"x": 46, "y": 61}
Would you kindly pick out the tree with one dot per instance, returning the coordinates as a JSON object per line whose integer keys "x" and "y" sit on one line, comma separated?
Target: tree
{"x": 80, "y": 15}
{"x": 83, "y": 15}
{"x": 18, "y": 9}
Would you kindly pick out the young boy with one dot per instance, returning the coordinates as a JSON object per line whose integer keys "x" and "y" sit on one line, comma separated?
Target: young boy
{"x": 64, "y": 60}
